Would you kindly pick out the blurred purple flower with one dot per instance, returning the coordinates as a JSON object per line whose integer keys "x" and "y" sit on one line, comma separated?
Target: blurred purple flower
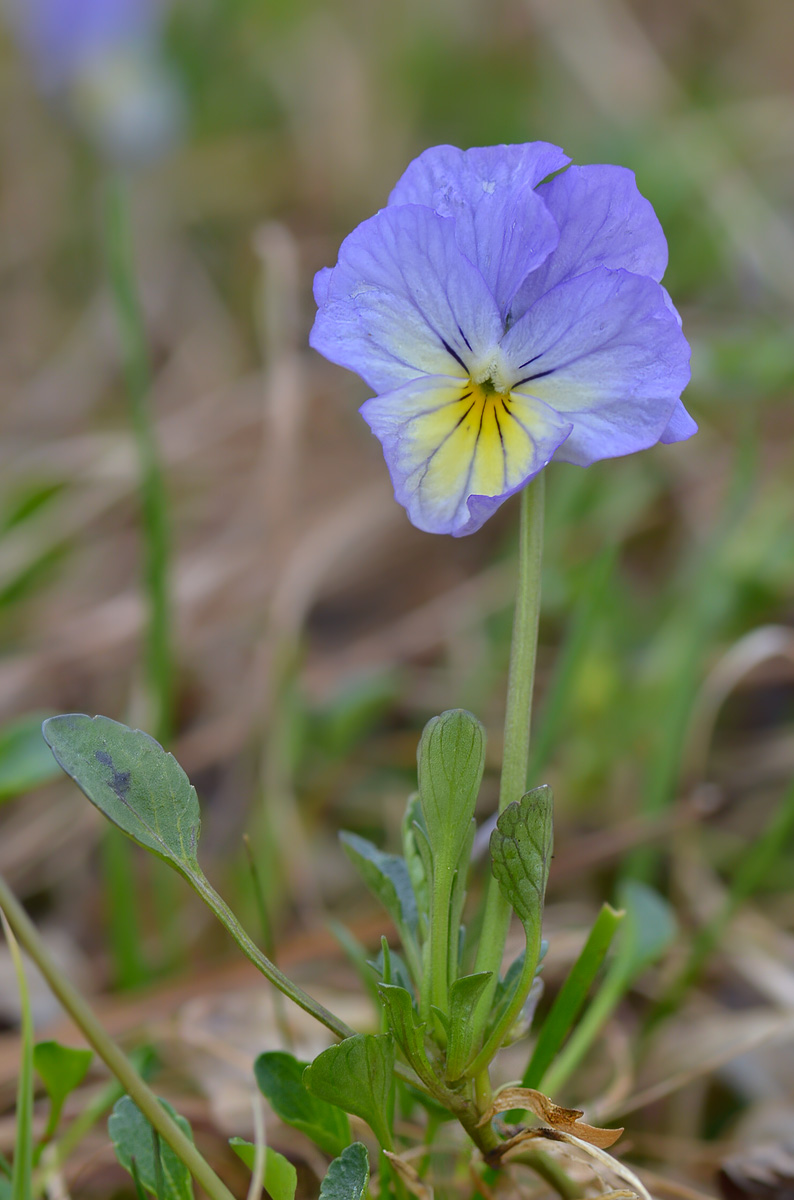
{"x": 504, "y": 322}
{"x": 104, "y": 59}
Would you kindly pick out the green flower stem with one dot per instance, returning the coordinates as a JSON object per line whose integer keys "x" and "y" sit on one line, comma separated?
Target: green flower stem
{"x": 137, "y": 377}
{"x": 515, "y": 755}
{"x": 108, "y": 1051}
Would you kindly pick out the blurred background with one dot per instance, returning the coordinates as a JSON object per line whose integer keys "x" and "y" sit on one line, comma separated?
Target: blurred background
{"x": 312, "y": 630}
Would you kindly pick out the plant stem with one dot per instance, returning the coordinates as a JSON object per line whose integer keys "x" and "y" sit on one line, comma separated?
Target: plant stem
{"x": 107, "y": 1049}
{"x": 518, "y": 715}
{"x": 268, "y": 942}
{"x": 501, "y": 1031}
{"x": 549, "y": 1169}
{"x": 137, "y": 377}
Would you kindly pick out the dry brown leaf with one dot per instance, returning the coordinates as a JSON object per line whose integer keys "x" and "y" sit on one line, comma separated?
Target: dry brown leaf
{"x": 595, "y": 1154}
{"x": 410, "y": 1177}
{"x": 568, "y": 1120}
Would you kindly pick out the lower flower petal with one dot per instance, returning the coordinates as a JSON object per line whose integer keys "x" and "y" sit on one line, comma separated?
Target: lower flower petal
{"x": 606, "y": 352}
{"x": 679, "y": 427}
{"x": 456, "y": 452}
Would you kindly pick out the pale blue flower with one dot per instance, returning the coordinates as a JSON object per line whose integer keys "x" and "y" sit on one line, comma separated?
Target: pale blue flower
{"x": 503, "y": 322}
{"x": 102, "y": 61}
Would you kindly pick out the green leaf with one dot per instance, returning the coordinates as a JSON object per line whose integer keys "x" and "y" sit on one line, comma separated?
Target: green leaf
{"x": 571, "y": 996}
{"x": 463, "y": 997}
{"x": 357, "y": 955}
{"x": 145, "y": 792}
{"x": 457, "y": 900}
{"x": 134, "y": 782}
{"x": 408, "y": 1031}
{"x": 62, "y": 1069}
{"x": 133, "y": 1138}
{"x": 281, "y": 1178}
{"x": 386, "y": 875}
{"x": 347, "y": 1176}
{"x": 414, "y": 860}
{"x": 25, "y": 762}
{"x": 357, "y": 1074}
{"x": 279, "y": 1077}
{"x": 521, "y": 846}
{"x": 451, "y": 758}
{"x": 649, "y": 929}
{"x": 398, "y": 972}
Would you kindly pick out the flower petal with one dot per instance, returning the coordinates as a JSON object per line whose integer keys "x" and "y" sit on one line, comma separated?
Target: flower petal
{"x": 455, "y": 454}
{"x": 604, "y": 350}
{"x": 679, "y": 427}
{"x": 501, "y": 223}
{"x": 604, "y": 221}
{"x": 403, "y": 301}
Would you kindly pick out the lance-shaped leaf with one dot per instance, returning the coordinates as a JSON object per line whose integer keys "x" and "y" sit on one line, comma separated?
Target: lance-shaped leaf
{"x": 451, "y": 758}
{"x": 463, "y": 997}
{"x": 131, "y": 779}
{"x": 457, "y": 901}
{"x": 390, "y": 968}
{"x": 356, "y": 1074}
{"x": 347, "y": 1176}
{"x": 413, "y": 856}
{"x": 281, "y": 1178}
{"x": 408, "y": 1031}
{"x": 135, "y": 1144}
{"x": 386, "y": 875}
{"x": 279, "y": 1077}
{"x": 521, "y": 846}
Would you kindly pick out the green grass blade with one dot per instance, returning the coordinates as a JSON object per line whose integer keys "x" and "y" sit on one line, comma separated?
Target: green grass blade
{"x": 154, "y": 504}
{"x": 572, "y": 995}
{"x": 21, "y": 1179}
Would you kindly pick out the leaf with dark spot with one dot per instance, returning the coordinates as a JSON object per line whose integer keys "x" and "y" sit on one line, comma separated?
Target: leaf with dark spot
{"x": 133, "y": 781}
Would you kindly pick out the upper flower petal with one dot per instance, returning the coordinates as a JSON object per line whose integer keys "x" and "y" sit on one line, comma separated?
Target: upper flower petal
{"x": 604, "y": 350}
{"x": 604, "y": 221}
{"x": 456, "y": 453}
{"x": 501, "y": 223}
{"x": 403, "y": 301}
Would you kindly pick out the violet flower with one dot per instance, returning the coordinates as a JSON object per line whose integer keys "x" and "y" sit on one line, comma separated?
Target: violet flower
{"x": 102, "y": 62}
{"x": 505, "y": 322}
